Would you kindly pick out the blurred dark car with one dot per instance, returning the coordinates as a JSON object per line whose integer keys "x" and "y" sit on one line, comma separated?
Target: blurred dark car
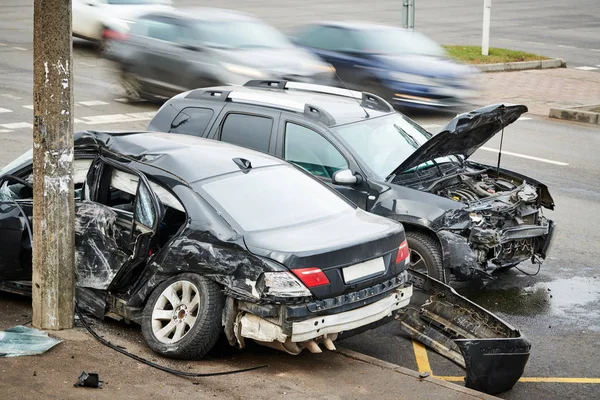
{"x": 406, "y": 68}
{"x": 168, "y": 52}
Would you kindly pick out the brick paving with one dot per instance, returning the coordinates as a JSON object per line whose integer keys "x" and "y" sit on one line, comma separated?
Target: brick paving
{"x": 540, "y": 89}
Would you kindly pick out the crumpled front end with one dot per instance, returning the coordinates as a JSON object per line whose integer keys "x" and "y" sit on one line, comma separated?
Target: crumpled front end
{"x": 493, "y": 353}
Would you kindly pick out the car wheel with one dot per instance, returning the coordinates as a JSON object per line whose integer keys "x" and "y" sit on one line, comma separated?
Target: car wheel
{"x": 131, "y": 85}
{"x": 182, "y": 317}
{"x": 425, "y": 255}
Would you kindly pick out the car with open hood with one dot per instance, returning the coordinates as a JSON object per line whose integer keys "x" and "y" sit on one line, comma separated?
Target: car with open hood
{"x": 462, "y": 218}
{"x": 192, "y": 238}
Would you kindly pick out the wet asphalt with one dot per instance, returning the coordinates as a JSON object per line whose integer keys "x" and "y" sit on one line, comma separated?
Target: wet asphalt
{"x": 557, "y": 308}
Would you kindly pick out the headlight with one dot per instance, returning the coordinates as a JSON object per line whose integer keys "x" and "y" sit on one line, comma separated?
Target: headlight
{"x": 245, "y": 71}
{"x": 282, "y": 284}
{"x": 412, "y": 78}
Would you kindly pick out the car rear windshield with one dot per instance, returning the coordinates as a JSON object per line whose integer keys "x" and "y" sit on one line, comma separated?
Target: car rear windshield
{"x": 399, "y": 41}
{"x": 271, "y": 197}
{"x": 383, "y": 143}
{"x": 241, "y": 35}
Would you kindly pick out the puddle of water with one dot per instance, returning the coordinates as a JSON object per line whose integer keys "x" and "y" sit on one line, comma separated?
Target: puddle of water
{"x": 568, "y": 296}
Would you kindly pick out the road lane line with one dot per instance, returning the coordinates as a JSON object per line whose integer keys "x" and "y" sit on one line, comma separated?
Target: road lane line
{"x": 509, "y": 153}
{"x": 2, "y": 44}
{"x": 10, "y": 96}
{"x": 421, "y": 357}
{"x": 5, "y": 110}
{"x": 523, "y": 119}
{"x": 5, "y": 130}
{"x": 542, "y": 379}
{"x": 586, "y": 68}
{"x": 30, "y": 107}
{"x": 17, "y": 125}
{"x": 20, "y": 48}
{"x": 567, "y": 47}
{"x": 91, "y": 103}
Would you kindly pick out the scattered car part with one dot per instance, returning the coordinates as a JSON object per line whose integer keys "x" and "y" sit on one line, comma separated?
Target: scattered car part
{"x": 24, "y": 341}
{"x": 91, "y": 380}
{"x": 475, "y": 218}
{"x": 493, "y": 352}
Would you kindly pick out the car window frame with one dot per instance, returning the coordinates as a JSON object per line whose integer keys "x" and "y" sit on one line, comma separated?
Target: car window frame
{"x": 216, "y": 130}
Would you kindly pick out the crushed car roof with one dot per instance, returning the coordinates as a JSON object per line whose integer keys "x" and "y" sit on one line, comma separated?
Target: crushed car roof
{"x": 189, "y": 157}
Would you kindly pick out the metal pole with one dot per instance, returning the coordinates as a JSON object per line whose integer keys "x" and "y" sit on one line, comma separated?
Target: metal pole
{"x": 485, "y": 40}
{"x": 405, "y": 14}
{"x": 53, "y": 212}
{"x": 411, "y": 14}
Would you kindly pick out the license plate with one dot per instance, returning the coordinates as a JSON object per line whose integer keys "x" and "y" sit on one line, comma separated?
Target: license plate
{"x": 368, "y": 268}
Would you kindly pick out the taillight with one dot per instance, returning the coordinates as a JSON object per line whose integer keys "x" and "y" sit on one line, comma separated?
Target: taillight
{"x": 114, "y": 35}
{"x": 403, "y": 252}
{"x": 311, "y": 277}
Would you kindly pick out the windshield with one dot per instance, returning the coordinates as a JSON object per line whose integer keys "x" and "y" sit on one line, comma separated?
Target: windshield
{"x": 241, "y": 35}
{"x": 384, "y": 143}
{"x": 399, "y": 41}
{"x": 27, "y": 156}
{"x": 271, "y": 197}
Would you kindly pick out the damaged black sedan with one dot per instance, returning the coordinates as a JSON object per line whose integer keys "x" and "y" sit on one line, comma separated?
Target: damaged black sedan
{"x": 191, "y": 238}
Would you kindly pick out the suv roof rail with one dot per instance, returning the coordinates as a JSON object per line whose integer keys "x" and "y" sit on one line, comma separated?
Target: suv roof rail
{"x": 368, "y": 100}
{"x": 247, "y": 97}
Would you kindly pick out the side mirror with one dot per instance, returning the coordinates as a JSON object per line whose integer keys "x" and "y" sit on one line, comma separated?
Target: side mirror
{"x": 345, "y": 177}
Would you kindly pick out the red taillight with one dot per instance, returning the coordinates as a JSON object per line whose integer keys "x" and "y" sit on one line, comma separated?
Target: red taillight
{"x": 403, "y": 252}
{"x": 114, "y": 35}
{"x": 311, "y": 277}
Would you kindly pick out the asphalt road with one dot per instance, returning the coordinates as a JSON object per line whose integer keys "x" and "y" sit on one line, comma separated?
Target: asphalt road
{"x": 556, "y": 309}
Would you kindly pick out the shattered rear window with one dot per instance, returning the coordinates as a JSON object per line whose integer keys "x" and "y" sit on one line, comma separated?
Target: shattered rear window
{"x": 271, "y": 197}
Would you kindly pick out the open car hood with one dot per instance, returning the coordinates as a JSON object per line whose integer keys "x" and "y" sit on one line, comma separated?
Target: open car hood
{"x": 493, "y": 353}
{"x": 464, "y": 134}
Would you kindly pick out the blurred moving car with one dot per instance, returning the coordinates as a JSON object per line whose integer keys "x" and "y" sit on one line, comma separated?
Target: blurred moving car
{"x": 165, "y": 53}
{"x": 191, "y": 237}
{"x": 92, "y": 17}
{"x": 406, "y": 68}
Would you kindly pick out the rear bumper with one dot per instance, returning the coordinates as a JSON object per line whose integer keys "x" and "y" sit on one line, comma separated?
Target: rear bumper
{"x": 252, "y": 326}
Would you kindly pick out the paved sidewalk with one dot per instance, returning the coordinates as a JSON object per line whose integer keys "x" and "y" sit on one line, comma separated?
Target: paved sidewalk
{"x": 329, "y": 375}
{"x": 540, "y": 90}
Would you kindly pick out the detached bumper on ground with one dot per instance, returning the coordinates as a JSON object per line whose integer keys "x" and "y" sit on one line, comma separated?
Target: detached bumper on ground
{"x": 493, "y": 353}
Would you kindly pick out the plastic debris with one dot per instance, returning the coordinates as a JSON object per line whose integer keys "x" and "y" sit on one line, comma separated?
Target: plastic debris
{"x": 89, "y": 380}
{"x": 23, "y": 341}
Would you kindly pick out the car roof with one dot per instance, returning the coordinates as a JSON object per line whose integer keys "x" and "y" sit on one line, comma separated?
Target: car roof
{"x": 188, "y": 157}
{"x": 207, "y": 14}
{"x": 358, "y": 25}
{"x": 339, "y": 108}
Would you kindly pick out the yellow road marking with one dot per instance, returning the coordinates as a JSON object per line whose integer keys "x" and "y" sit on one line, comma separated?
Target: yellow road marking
{"x": 548, "y": 379}
{"x": 421, "y": 357}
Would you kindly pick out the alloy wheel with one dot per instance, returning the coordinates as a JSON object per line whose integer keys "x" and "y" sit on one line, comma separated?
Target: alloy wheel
{"x": 175, "y": 311}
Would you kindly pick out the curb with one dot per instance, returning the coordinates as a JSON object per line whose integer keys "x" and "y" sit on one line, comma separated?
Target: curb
{"x": 578, "y": 114}
{"x": 523, "y": 65}
{"x": 413, "y": 374}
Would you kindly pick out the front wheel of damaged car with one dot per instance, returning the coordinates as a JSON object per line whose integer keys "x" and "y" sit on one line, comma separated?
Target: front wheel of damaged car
{"x": 426, "y": 255}
{"x": 182, "y": 318}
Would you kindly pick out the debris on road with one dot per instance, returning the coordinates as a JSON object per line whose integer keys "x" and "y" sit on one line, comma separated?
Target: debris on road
{"x": 23, "y": 341}
{"x": 89, "y": 380}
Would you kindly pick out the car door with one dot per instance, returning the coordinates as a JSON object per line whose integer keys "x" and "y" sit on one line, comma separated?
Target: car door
{"x": 302, "y": 144}
{"x": 122, "y": 244}
{"x": 247, "y": 126}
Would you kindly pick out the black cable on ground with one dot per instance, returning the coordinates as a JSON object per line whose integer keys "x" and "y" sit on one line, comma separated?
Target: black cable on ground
{"x": 150, "y": 363}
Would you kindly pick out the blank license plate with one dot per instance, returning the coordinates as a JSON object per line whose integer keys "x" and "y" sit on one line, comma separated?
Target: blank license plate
{"x": 364, "y": 269}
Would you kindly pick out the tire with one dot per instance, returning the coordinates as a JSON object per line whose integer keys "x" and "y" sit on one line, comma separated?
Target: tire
{"x": 196, "y": 339}
{"x": 428, "y": 250}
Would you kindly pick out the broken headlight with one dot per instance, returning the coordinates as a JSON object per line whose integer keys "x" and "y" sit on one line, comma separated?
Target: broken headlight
{"x": 282, "y": 284}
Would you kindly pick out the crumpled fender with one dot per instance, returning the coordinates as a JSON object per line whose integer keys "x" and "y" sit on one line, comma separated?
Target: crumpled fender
{"x": 493, "y": 352}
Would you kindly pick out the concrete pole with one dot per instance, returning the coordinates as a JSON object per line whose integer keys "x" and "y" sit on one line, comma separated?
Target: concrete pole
{"x": 485, "y": 39}
{"x": 53, "y": 211}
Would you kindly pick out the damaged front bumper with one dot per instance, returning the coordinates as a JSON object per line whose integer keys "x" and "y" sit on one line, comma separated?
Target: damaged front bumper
{"x": 292, "y": 334}
{"x": 487, "y": 249}
{"x": 493, "y": 353}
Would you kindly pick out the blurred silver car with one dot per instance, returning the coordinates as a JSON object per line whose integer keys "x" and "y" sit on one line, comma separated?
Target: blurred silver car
{"x": 165, "y": 53}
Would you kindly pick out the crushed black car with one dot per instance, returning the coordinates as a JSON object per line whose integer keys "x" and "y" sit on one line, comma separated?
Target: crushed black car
{"x": 190, "y": 237}
{"x": 463, "y": 219}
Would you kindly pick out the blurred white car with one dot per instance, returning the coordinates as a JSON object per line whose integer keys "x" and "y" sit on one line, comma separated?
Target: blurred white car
{"x": 91, "y": 17}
